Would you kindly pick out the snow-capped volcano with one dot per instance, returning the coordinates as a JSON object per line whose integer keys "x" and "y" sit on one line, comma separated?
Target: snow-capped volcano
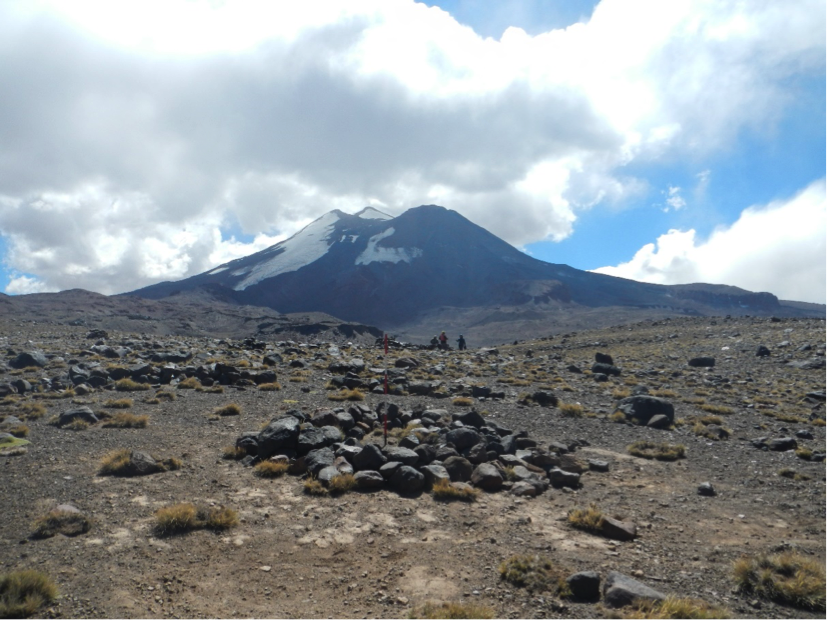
{"x": 382, "y": 270}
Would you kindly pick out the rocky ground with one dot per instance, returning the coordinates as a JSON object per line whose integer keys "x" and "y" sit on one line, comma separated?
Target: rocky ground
{"x": 381, "y": 553}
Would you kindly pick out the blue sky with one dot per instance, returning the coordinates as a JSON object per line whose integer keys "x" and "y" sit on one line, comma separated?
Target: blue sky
{"x": 666, "y": 142}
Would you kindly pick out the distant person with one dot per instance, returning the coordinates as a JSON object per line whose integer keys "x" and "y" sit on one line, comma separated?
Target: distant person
{"x": 434, "y": 342}
{"x": 461, "y": 343}
{"x": 443, "y": 341}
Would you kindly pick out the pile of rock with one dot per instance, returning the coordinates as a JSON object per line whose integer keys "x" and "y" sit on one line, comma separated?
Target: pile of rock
{"x": 461, "y": 448}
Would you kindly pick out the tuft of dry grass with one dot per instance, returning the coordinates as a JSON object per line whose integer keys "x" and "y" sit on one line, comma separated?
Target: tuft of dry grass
{"x": 120, "y": 403}
{"x": 233, "y": 453}
{"x": 571, "y": 410}
{"x": 163, "y": 395}
{"x": 462, "y": 402}
{"x": 618, "y": 417}
{"x": 32, "y": 411}
{"x": 226, "y": 410}
{"x": 181, "y": 518}
{"x": 115, "y": 463}
{"x": 128, "y": 385}
{"x": 269, "y": 387}
{"x": 452, "y": 610}
{"x": 674, "y": 607}
{"x": 619, "y": 393}
{"x": 22, "y": 593}
{"x": 535, "y": 573}
{"x": 660, "y": 451}
{"x": 588, "y": 519}
{"x": 77, "y": 425}
{"x": 341, "y": 484}
{"x": 190, "y": 383}
{"x": 351, "y": 395}
{"x": 64, "y": 522}
{"x": 268, "y": 469}
{"x": 721, "y": 409}
{"x": 313, "y": 487}
{"x": 444, "y": 490}
{"x": 801, "y": 452}
{"x": 20, "y": 431}
{"x": 792, "y": 474}
{"x": 176, "y": 519}
{"x": 789, "y": 578}
{"x": 127, "y": 420}
{"x": 215, "y": 389}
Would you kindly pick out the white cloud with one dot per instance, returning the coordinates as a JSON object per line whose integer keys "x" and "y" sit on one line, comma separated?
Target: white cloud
{"x": 144, "y": 131}
{"x": 779, "y": 248}
{"x": 25, "y": 285}
{"x": 674, "y": 200}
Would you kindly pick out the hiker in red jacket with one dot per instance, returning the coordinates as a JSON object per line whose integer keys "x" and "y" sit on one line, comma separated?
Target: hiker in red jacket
{"x": 443, "y": 341}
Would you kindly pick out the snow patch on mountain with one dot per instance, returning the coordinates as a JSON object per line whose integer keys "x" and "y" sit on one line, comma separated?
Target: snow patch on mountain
{"x": 379, "y": 254}
{"x": 369, "y": 213}
{"x": 305, "y": 247}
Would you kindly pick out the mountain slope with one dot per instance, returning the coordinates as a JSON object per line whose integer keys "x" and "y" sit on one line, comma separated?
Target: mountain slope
{"x": 372, "y": 268}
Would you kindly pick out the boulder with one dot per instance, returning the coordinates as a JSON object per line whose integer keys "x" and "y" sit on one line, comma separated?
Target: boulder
{"x": 702, "y": 362}
{"x": 783, "y": 444}
{"x": 316, "y": 460}
{"x": 407, "y": 480}
{"x": 470, "y": 418}
{"x": 644, "y": 408}
{"x": 78, "y": 413}
{"x": 620, "y": 590}
{"x": 560, "y": 478}
{"x": 598, "y": 465}
{"x": 487, "y": 477}
{"x": 370, "y": 458}
{"x": 706, "y": 489}
{"x": 141, "y": 464}
{"x": 604, "y": 358}
{"x": 618, "y": 530}
{"x": 458, "y": 468}
{"x": 659, "y": 421}
{"x": 310, "y": 438}
{"x": 544, "y": 398}
{"x": 463, "y": 437}
{"x": 29, "y": 358}
{"x": 280, "y": 434}
{"x": 605, "y": 369}
{"x": 762, "y": 351}
{"x": 433, "y": 473}
{"x": 585, "y": 586}
{"x": 403, "y": 455}
{"x": 523, "y": 489}
{"x": 368, "y": 479}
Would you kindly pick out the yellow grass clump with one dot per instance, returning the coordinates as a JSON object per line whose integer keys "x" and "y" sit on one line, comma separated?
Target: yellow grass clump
{"x": 23, "y": 593}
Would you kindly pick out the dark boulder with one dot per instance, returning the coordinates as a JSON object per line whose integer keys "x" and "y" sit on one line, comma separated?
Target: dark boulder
{"x": 458, "y": 468}
{"x": 604, "y": 358}
{"x": 605, "y": 369}
{"x": 702, "y": 362}
{"x": 280, "y": 434}
{"x": 644, "y": 408}
{"x": 28, "y": 359}
{"x": 407, "y": 480}
{"x": 463, "y": 437}
{"x": 619, "y": 590}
